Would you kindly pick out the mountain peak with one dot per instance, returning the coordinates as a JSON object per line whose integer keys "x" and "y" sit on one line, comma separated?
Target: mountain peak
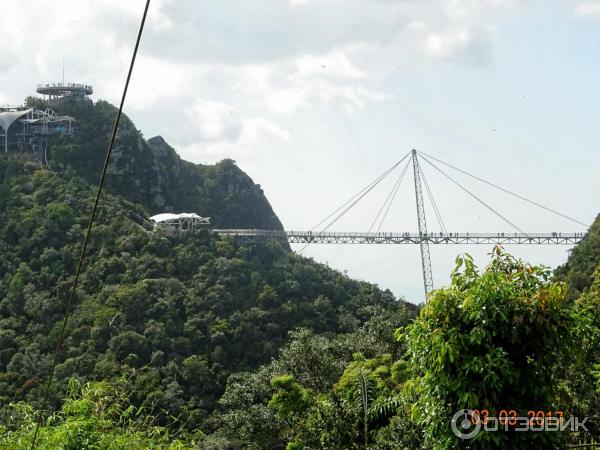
{"x": 152, "y": 174}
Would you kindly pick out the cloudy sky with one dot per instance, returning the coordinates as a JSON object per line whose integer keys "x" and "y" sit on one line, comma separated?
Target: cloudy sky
{"x": 315, "y": 98}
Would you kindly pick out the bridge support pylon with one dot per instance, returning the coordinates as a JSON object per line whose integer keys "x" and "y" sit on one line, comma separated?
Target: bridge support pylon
{"x": 424, "y": 244}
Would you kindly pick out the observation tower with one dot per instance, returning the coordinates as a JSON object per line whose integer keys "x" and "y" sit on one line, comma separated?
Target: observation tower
{"x": 61, "y": 90}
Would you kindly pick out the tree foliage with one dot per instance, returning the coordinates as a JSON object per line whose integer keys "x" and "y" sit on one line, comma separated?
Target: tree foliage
{"x": 195, "y": 340}
{"x": 151, "y": 174}
{"x": 311, "y": 395}
{"x": 492, "y": 341}
{"x": 194, "y": 308}
{"x": 95, "y": 415}
{"x": 578, "y": 271}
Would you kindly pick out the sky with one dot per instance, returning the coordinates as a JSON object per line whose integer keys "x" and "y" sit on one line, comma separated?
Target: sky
{"x": 316, "y": 98}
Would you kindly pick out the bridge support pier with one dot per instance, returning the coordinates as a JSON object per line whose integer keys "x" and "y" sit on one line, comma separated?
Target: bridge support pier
{"x": 423, "y": 243}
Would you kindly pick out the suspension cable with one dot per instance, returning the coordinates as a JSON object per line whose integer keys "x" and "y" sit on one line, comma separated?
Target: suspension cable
{"x": 391, "y": 201}
{"x": 366, "y": 188}
{"x": 506, "y": 190}
{"x": 341, "y": 214}
{"x": 355, "y": 199}
{"x": 389, "y": 198}
{"x": 89, "y": 228}
{"x": 474, "y": 196}
{"x": 436, "y": 210}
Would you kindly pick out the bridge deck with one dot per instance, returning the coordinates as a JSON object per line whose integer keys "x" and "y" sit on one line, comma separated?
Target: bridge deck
{"x": 306, "y": 237}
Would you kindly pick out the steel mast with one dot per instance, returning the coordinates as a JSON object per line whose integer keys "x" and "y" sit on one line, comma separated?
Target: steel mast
{"x": 424, "y": 244}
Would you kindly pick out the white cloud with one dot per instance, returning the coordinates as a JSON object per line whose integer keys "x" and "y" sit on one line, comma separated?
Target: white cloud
{"x": 255, "y": 127}
{"x": 335, "y": 64}
{"x": 443, "y": 45}
{"x": 232, "y": 138}
{"x": 242, "y": 31}
{"x": 213, "y": 121}
{"x": 587, "y": 9}
{"x": 303, "y": 82}
{"x": 217, "y": 128}
{"x": 230, "y": 73}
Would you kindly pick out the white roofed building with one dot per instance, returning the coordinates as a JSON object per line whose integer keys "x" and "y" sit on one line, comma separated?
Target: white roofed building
{"x": 174, "y": 223}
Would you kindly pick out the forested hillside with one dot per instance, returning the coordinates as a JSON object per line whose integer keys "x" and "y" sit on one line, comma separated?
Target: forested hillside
{"x": 181, "y": 313}
{"x": 195, "y": 341}
{"x": 579, "y": 269}
{"x": 150, "y": 173}
{"x": 500, "y": 339}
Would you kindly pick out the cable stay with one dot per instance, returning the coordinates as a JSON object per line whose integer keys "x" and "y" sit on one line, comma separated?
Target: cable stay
{"x": 389, "y": 198}
{"x": 423, "y": 238}
{"x": 436, "y": 210}
{"x": 391, "y": 201}
{"x": 474, "y": 196}
{"x": 353, "y": 201}
{"x": 367, "y": 188}
{"x": 558, "y": 213}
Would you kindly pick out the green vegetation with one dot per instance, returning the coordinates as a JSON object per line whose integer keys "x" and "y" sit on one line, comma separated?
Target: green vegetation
{"x": 308, "y": 395}
{"x": 578, "y": 272}
{"x": 492, "y": 341}
{"x": 151, "y": 174}
{"x": 193, "y": 309}
{"x": 97, "y": 415}
{"x": 195, "y": 341}
{"x": 504, "y": 339}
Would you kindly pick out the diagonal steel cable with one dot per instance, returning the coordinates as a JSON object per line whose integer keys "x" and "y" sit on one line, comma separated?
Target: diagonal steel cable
{"x": 390, "y": 198}
{"x": 473, "y": 195}
{"x": 436, "y": 210}
{"x": 367, "y": 187}
{"x": 558, "y": 213}
{"x": 353, "y": 201}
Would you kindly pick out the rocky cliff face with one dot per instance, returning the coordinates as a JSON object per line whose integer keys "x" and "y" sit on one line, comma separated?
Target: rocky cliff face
{"x": 223, "y": 190}
{"x": 151, "y": 173}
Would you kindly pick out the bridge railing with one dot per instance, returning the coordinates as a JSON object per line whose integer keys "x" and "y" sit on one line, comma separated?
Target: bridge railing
{"x": 258, "y": 232}
{"x": 434, "y": 236}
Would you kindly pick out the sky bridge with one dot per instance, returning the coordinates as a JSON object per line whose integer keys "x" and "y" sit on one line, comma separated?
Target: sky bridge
{"x": 251, "y": 236}
{"x": 322, "y": 232}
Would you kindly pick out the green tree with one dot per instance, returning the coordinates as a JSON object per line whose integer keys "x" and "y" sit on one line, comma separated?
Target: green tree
{"x": 580, "y": 384}
{"x": 94, "y": 416}
{"x": 194, "y": 308}
{"x": 578, "y": 271}
{"x": 495, "y": 341}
